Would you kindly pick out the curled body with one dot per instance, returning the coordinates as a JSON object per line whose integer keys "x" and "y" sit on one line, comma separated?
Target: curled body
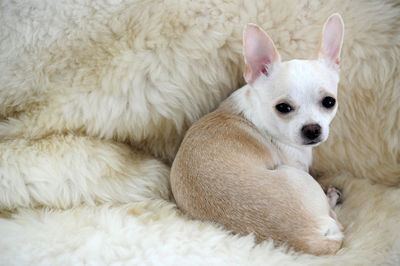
{"x": 227, "y": 172}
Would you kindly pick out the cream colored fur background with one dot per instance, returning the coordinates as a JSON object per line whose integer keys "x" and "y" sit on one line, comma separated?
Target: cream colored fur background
{"x": 95, "y": 97}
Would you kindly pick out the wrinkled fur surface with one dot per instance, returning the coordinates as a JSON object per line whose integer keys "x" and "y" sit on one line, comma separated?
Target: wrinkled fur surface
{"x": 95, "y": 94}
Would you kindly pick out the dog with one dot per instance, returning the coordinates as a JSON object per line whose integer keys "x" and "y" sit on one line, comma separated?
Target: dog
{"x": 245, "y": 165}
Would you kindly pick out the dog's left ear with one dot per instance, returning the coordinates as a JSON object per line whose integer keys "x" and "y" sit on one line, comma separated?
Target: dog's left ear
{"x": 332, "y": 40}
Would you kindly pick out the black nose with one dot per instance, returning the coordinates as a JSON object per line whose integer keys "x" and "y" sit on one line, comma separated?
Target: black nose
{"x": 311, "y": 131}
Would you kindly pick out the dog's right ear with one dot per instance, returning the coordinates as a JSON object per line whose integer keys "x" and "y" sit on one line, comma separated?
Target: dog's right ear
{"x": 260, "y": 54}
{"x": 332, "y": 41}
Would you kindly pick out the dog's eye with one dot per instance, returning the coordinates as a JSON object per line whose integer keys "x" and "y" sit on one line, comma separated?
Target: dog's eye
{"x": 284, "y": 108}
{"x": 328, "y": 102}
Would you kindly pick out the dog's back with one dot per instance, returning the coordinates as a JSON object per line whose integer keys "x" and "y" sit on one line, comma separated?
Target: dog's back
{"x": 227, "y": 172}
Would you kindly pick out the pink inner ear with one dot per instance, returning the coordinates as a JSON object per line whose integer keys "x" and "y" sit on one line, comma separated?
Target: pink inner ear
{"x": 259, "y": 52}
{"x": 332, "y": 39}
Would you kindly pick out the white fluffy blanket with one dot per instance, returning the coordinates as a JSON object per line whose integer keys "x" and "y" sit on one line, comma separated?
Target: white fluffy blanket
{"x": 95, "y": 97}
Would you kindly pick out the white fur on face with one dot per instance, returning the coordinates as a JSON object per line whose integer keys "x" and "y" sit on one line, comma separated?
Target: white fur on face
{"x": 303, "y": 84}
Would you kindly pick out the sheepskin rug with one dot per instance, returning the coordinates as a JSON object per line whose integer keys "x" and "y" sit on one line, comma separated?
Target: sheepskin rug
{"x": 95, "y": 97}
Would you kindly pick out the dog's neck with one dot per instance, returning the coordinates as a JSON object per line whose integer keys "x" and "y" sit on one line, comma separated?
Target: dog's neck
{"x": 299, "y": 157}
{"x": 239, "y": 103}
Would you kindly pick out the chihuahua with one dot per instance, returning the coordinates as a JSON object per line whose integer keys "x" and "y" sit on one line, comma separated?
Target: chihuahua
{"x": 245, "y": 165}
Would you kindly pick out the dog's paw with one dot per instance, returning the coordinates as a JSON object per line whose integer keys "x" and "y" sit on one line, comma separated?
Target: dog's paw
{"x": 334, "y": 196}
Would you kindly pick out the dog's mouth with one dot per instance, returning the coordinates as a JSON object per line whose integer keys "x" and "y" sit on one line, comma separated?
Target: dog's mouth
{"x": 311, "y": 142}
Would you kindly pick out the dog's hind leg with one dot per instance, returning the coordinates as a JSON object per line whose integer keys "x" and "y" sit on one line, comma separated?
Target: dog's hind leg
{"x": 65, "y": 171}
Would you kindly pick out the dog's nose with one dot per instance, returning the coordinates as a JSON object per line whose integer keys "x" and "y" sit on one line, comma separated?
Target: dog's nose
{"x": 311, "y": 131}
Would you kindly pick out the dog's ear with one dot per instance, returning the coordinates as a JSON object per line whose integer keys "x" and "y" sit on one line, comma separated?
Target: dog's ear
{"x": 332, "y": 40}
{"x": 260, "y": 54}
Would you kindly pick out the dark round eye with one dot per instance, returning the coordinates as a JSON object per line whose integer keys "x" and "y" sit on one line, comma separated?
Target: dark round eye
{"x": 284, "y": 108}
{"x": 328, "y": 102}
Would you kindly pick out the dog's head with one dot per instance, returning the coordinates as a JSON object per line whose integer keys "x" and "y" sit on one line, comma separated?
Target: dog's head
{"x": 294, "y": 101}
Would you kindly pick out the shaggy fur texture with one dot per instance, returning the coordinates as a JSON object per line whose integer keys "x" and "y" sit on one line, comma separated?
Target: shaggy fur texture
{"x": 94, "y": 94}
